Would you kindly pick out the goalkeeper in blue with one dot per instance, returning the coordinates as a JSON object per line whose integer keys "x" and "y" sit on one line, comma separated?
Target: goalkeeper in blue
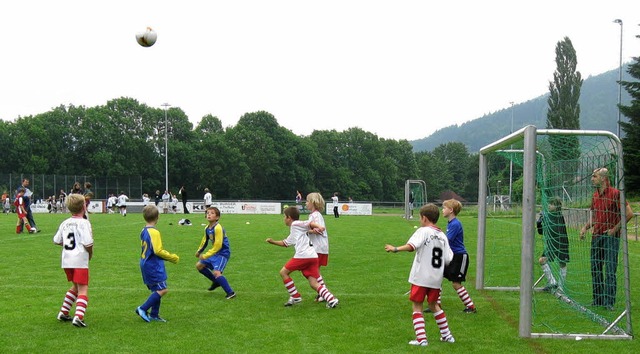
{"x": 152, "y": 260}
{"x": 212, "y": 263}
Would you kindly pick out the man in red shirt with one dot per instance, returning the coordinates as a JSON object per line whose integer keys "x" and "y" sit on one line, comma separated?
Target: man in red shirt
{"x": 605, "y": 239}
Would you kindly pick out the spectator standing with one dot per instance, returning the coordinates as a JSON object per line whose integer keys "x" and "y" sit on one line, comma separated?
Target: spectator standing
{"x": 605, "y": 240}
{"x": 183, "y": 193}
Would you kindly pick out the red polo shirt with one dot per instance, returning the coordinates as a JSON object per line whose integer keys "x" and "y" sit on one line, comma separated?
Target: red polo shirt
{"x": 606, "y": 210}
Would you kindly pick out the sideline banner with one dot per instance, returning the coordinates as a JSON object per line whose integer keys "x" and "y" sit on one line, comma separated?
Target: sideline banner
{"x": 351, "y": 209}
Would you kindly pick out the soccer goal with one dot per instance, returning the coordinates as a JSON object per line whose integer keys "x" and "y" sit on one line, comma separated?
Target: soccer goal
{"x": 552, "y": 176}
{"x": 415, "y": 195}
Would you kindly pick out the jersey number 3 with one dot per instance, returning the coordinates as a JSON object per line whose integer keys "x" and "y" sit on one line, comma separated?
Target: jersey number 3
{"x": 70, "y": 242}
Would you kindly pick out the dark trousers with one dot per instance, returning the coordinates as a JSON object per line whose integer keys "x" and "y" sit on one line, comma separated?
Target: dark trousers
{"x": 335, "y": 212}
{"x": 604, "y": 263}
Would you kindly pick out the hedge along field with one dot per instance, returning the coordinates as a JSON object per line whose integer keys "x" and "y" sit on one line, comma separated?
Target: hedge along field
{"x": 374, "y": 314}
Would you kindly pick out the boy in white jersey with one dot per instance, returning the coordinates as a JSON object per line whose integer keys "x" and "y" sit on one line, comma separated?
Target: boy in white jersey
{"x": 122, "y": 203}
{"x": 76, "y": 238}
{"x": 432, "y": 255}
{"x": 305, "y": 259}
{"x": 320, "y": 240}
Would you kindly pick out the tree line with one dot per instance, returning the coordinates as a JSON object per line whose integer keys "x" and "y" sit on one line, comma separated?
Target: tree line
{"x": 255, "y": 159}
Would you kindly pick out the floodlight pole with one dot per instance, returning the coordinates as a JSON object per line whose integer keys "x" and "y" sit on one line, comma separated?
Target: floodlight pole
{"x": 166, "y": 151}
{"x": 619, "y": 21}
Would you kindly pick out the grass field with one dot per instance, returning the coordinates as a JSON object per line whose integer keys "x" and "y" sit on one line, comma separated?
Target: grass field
{"x": 374, "y": 315}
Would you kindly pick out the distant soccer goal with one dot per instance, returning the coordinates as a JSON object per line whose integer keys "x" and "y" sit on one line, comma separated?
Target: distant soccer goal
{"x": 415, "y": 196}
{"x": 556, "y": 292}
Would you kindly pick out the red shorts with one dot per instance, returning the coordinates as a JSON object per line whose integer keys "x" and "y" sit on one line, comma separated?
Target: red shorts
{"x": 21, "y": 215}
{"x": 420, "y": 293}
{"x": 308, "y": 266}
{"x": 323, "y": 259}
{"x": 77, "y": 275}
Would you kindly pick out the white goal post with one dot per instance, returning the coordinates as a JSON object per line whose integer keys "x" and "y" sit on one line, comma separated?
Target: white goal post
{"x": 616, "y": 325}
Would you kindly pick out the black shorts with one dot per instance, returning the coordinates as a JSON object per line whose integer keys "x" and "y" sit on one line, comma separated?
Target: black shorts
{"x": 456, "y": 271}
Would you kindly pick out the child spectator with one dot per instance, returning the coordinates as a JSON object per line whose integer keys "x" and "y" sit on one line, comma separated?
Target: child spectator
{"x": 212, "y": 263}
{"x": 76, "y": 238}
{"x": 305, "y": 258}
{"x": 152, "y": 267}
{"x": 432, "y": 255}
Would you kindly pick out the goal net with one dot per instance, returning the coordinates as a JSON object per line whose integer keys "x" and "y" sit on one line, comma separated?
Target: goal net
{"x": 568, "y": 286}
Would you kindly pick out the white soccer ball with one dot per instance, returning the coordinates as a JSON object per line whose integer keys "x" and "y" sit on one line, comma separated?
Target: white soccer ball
{"x": 147, "y": 38}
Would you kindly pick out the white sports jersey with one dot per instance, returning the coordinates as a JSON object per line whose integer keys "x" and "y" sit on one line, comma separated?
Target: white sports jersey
{"x": 432, "y": 254}
{"x": 298, "y": 237}
{"x": 122, "y": 200}
{"x": 320, "y": 241}
{"x": 74, "y": 234}
{"x": 207, "y": 198}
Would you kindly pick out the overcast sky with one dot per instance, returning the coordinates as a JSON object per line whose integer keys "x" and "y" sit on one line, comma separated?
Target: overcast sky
{"x": 398, "y": 68}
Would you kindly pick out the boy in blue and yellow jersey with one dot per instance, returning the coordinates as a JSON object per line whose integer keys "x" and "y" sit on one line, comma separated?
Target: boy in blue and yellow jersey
{"x": 212, "y": 263}
{"x": 152, "y": 260}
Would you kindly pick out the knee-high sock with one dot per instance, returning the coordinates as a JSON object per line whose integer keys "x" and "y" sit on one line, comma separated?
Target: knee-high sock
{"x": 208, "y": 274}
{"x": 418, "y": 326}
{"x": 224, "y": 284}
{"x": 547, "y": 272}
{"x": 152, "y": 300}
{"x": 69, "y": 299}
{"x": 81, "y": 306}
{"x": 464, "y": 296}
{"x": 291, "y": 288}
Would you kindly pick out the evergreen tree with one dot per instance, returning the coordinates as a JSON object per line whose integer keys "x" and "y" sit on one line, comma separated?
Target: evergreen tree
{"x": 564, "y": 109}
{"x": 631, "y": 140}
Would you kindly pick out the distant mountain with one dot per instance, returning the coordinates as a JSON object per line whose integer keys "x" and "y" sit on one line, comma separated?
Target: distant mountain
{"x": 598, "y": 111}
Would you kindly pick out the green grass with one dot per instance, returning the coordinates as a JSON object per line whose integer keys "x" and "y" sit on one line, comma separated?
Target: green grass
{"x": 374, "y": 315}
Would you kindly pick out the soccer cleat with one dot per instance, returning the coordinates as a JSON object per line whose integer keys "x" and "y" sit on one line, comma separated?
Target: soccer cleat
{"x": 62, "y": 317}
{"x": 333, "y": 303}
{"x": 448, "y": 339}
{"x": 292, "y": 301}
{"x": 470, "y": 310}
{"x": 231, "y": 295}
{"x": 214, "y": 286}
{"x": 157, "y": 319}
{"x": 78, "y": 322}
{"x": 423, "y": 343}
{"x": 319, "y": 298}
{"x": 143, "y": 314}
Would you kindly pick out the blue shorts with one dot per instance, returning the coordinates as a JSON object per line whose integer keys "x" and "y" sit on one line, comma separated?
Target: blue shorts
{"x": 215, "y": 262}
{"x": 157, "y": 286}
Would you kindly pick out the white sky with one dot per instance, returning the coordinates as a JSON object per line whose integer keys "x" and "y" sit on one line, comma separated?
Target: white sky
{"x": 398, "y": 68}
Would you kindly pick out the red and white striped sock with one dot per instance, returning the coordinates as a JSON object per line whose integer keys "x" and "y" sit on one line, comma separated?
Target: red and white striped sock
{"x": 291, "y": 288}
{"x": 69, "y": 300}
{"x": 81, "y": 306}
{"x": 418, "y": 326}
{"x": 464, "y": 296}
{"x": 325, "y": 293}
{"x": 320, "y": 280}
{"x": 441, "y": 321}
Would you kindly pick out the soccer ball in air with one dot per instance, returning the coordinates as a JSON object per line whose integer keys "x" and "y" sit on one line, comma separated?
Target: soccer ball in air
{"x": 147, "y": 38}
